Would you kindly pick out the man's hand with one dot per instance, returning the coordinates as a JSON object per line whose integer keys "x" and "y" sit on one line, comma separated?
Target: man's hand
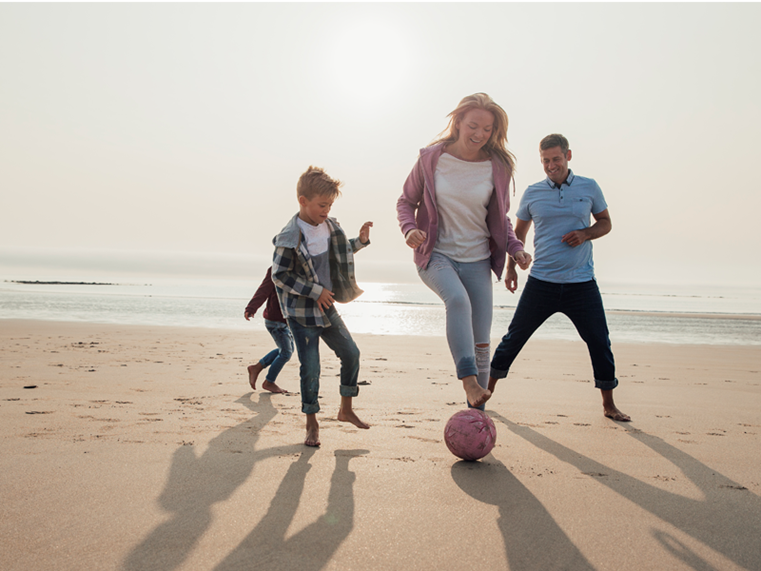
{"x": 325, "y": 300}
{"x": 247, "y": 315}
{"x": 415, "y": 238}
{"x": 511, "y": 279}
{"x": 575, "y": 238}
{"x": 523, "y": 259}
{"x": 364, "y": 232}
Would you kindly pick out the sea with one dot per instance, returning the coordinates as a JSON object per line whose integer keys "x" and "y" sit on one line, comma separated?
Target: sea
{"x": 637, "y": 313}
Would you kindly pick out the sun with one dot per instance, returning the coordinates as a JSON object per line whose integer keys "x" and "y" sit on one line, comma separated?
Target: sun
{"x": 369, "y": 61}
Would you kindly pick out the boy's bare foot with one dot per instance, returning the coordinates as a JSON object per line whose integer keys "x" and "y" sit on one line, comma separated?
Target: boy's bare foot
{"x": 351, "y": 416}
{"x": 616, "y": 414}
{"x": 476, "y": 394}
{"x": 492, "y": 384}
{"x": 253, "y": 374}
{"x": 313, "y": 431}
{"x": 272, "y": 387}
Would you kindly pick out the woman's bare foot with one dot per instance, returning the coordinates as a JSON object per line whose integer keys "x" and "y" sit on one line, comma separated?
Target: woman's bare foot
{"x": 253, "y": 374}
{"x": 609, "y": 408}
{"x": 313, "y": 431}
{"x": 346, "y": 413}
{"x": 476, "y": 394}
{"x": 272, "y": 387}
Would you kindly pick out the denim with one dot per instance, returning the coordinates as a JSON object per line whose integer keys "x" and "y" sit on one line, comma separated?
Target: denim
{"x": 277, "y": 358}
{"x": 582, "y": 303}
{"x": 466, "y": 290}
{"x": 338, "y": 338}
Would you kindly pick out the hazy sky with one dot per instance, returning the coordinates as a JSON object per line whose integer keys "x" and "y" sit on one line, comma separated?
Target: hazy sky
{"x": 132, "y": 128}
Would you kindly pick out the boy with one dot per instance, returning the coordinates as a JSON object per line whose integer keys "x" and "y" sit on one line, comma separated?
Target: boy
{"x": 313, "y": 267}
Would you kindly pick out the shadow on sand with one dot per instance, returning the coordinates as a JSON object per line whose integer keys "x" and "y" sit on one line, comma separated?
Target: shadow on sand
{"x": 727, "y": 519}
{"x": 196, "y": 483}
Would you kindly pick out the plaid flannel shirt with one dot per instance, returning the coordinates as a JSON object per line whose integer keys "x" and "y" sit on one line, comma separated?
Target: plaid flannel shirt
{"x": 296, "y": 281}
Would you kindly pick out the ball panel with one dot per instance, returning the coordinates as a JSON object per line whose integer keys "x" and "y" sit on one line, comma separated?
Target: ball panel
{"x": 470, "y": 434}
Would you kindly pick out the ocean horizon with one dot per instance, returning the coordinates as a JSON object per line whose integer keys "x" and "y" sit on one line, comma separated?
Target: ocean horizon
{"x": 637, "y": 313}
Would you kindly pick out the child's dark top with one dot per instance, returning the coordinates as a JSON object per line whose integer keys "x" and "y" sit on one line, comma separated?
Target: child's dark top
{"x": 266, "y": 292}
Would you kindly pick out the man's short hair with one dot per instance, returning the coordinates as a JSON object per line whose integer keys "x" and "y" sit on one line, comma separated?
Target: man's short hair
{"x": 316, "y": 182}
{"x": 554, "y": 140}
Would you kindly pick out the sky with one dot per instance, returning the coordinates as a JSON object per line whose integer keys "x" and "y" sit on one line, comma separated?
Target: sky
{"x": 169, "y": 137}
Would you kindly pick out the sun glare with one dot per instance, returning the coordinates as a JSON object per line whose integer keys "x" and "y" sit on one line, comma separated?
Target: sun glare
{"x": 369, "y": 61}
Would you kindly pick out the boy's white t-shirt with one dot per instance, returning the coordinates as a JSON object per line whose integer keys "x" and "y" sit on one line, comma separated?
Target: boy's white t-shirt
{"x": 463, "y": 193}
{"x": 317, "y": 242}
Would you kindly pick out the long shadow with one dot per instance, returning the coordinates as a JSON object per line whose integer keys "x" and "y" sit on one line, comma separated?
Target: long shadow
{"x": 196, "y": 483}
{"x": 533, "y": 540}
{"x": 266, "y": 547}
{"x": 727, "y": 519}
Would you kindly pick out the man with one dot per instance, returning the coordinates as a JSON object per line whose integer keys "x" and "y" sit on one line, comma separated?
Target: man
{"x": 562, "y": 277}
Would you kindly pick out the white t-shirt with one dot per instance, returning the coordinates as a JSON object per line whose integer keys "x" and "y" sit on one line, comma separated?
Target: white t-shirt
{"x": 317, "y": 242}
{"x": 463, "y": 192}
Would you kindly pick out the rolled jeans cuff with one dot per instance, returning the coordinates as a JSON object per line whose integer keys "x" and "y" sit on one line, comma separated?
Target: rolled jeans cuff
{"x": 467, "y": 368}
{"x": 348, "y": 391}
{"x": 497, "y": 374}
{"x": 310, "y": 408}
{"x": 606, "y": 385}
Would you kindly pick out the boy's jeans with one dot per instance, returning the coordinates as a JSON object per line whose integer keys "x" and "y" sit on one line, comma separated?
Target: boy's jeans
{"x": 277, "y": 358}
{"x": 338, "y": 338}
{"x": 582, "y": 303}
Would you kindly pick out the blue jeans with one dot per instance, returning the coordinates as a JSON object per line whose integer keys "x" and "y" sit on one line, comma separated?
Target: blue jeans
{"x": 338, "y": 338}
{"x": 582, "y": 303}
{"x": 277, "y": 358}
{"x": 466, "y": 290}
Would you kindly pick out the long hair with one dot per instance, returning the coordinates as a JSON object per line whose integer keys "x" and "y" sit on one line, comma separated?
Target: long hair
{"x": 497, "y": 143}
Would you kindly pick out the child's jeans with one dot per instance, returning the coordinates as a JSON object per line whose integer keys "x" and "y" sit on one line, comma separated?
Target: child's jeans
{"x": 277, "y": 358}
{"x": 338, "y": 338}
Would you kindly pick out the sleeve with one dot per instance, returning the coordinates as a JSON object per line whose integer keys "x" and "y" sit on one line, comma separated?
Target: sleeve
{"x": 262, "y": 294}
{"x": 285, "y": 276}
{"x": 598, "y": 200}
{"x": 523, "y": 212}
{"x": 409, "y": 201}
{"x": 513, "y": 244}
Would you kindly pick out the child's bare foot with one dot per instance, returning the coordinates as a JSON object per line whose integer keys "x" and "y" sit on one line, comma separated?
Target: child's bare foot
{"x": 313, "y": 431}
{"x": 272, "y": 387}
{"x": 476, "y": 394}
{"x": 351, "y": 416}
{"x": 253, "y": 374}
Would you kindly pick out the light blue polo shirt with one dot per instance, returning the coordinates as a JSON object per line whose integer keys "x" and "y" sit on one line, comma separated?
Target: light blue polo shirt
{"x": 555, "y": 212}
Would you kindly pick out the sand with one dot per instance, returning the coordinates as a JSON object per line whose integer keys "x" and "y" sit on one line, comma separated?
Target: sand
{"x": 143, "y": 448}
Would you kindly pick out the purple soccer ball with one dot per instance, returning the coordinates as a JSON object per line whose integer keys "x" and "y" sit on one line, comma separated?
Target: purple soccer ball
{"x": 470, "y": 434}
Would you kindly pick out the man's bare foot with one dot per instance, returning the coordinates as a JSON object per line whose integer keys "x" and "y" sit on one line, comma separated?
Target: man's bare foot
{"x": 492, "y": 384}
{"x": 616, "y": 414}
{"x": 476, "y": 394}
{"x": 351, "y": 416}
{"x": 609, "y": 408}
{"x": 313, "y": 431}
{"x": 272, "y": 387}
{"x": 253, "y": 374}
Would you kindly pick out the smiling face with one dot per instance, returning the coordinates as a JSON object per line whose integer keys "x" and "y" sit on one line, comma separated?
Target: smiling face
{"x": 555, "y": 163}
{"x": 315, "y": 210}
{"x": 475, "y": 129}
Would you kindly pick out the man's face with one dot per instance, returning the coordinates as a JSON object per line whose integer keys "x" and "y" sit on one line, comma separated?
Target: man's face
{"x": 555, "y": 164}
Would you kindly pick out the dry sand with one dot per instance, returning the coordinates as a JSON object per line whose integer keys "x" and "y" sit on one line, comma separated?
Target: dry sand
{"x": 144, "y": 449}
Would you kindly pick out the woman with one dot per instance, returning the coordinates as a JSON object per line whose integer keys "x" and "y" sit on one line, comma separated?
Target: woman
{"x": 453, "y": 213}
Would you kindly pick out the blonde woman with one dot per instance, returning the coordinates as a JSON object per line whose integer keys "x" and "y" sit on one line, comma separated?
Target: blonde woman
{"x": 453, "y": 213}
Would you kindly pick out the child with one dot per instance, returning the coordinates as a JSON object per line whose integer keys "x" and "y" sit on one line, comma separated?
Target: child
{"x": 313, "y": 267}
{"x": 277, "y": 327}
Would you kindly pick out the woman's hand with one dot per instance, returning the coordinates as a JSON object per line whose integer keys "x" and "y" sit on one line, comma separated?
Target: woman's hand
{"x": 523, "y": 259}
{"x": 415, "y": 238}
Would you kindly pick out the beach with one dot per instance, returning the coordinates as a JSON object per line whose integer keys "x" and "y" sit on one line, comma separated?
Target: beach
{"x": 143, "y": 448}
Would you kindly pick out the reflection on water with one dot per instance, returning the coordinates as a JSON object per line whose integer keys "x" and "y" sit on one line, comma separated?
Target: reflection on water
{"x": 385, "y": 309}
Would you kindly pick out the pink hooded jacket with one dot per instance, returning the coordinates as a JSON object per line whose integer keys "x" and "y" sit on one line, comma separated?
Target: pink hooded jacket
{"x": 419, "y": 195}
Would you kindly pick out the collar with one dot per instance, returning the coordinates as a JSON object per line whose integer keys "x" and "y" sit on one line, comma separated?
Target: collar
{"x": 568, "y": 181}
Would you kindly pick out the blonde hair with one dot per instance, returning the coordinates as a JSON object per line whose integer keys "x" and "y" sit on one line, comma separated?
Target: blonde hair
{"x": 316, "y": 182}
{"x": 497, "y": 143}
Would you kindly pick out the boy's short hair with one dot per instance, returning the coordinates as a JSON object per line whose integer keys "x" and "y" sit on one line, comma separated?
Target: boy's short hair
{"x": 554, "y": 140}
{"x": 316, "y": 182}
